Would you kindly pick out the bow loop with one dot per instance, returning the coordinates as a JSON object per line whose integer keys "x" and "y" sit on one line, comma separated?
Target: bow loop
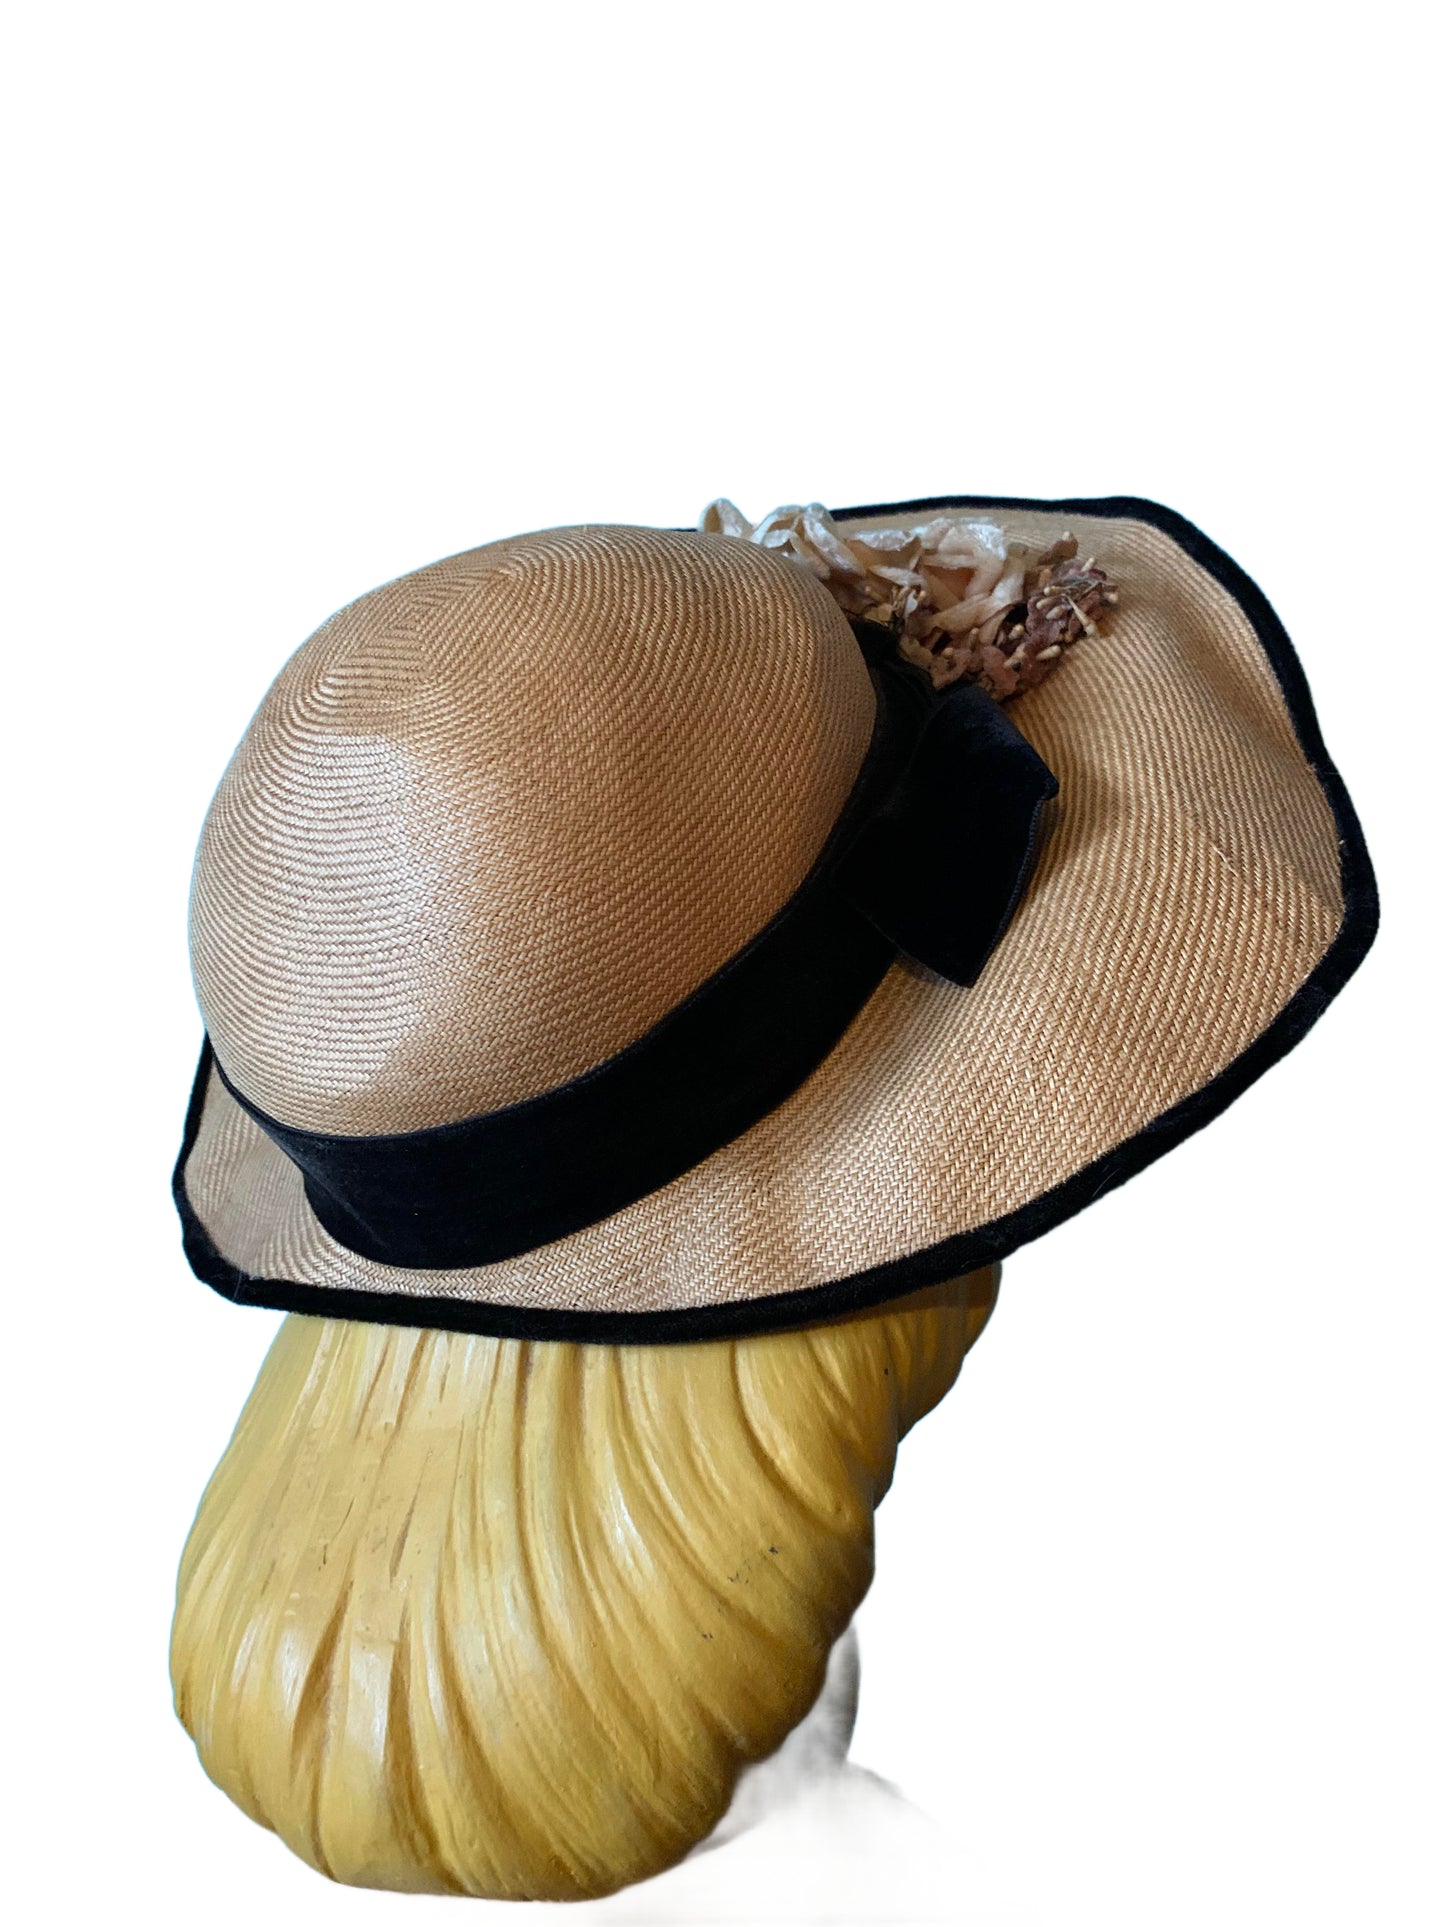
{"x": 943, "y": 862}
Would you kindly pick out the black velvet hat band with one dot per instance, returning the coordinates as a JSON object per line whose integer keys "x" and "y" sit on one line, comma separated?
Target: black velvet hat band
{"x": 929, "y": 856}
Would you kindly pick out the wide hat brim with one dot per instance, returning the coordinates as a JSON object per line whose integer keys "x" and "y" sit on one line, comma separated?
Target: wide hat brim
{"x": 1202, "y": 894}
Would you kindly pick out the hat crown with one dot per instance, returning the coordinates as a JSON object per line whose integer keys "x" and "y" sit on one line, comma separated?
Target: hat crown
{"x": 496, "y": 818}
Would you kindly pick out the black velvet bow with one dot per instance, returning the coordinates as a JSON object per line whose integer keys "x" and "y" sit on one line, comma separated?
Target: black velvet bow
{"x": 942, "y": 861}
{"x": 930, "y": 856}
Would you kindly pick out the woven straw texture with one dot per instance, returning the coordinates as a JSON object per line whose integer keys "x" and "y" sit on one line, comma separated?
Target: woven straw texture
{"x": 1189, "y": 884}
{"x": 495, "y": 819}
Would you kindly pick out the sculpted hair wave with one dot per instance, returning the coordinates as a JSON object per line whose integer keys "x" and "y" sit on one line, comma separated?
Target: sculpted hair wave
{"x": 506, "y": 1618}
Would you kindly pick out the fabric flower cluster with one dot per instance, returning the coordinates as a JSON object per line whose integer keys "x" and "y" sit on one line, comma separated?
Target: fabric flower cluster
{"x": 965, "y": 604}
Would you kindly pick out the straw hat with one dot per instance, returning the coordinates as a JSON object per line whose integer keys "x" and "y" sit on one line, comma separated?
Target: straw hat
{"x": 613, "y": 933}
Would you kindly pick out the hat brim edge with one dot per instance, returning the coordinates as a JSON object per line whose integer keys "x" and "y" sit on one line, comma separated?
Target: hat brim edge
{"x": 968, "y": 1251}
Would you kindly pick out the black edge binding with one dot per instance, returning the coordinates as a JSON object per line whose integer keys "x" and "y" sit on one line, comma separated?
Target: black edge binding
{"x": 968, "y": 1250}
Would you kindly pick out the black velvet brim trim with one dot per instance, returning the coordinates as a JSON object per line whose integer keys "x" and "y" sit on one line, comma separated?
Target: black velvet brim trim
{"x": 969, "y": 1249}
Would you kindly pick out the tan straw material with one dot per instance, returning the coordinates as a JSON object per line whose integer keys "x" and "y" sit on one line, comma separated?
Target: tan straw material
{"x": 498, "y": 817}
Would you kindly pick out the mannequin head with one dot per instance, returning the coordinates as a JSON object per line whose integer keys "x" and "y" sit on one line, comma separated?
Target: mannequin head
{"x": 509, "y": 1618}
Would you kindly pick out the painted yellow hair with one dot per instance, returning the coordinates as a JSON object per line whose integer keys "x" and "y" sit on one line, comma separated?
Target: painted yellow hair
{"x": 475, "y": 1615}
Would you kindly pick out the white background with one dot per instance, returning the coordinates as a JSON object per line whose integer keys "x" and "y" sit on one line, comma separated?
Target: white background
{"x": 302, "y": 297}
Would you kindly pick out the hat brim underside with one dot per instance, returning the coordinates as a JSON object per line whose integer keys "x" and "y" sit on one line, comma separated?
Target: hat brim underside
{"x": 1202, "y": 895}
